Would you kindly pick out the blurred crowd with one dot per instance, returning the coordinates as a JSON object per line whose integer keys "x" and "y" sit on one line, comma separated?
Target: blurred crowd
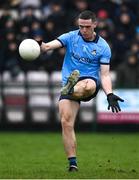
{"x": 118, "y": 23}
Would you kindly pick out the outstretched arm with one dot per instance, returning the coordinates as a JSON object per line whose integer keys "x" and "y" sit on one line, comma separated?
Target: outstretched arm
{"x": 50, "y": 45}
{"x": 107, "y": 87}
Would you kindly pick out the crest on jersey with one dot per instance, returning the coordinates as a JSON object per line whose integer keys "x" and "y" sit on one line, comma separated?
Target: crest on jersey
{"x": 94, "y": 52}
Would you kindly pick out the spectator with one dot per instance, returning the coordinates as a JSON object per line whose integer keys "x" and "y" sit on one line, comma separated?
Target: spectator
{"x": 77, "y": 6}
{"x": 28, "y": 16}
{"x": 128, "y": 73}
{"x": 49, "y": 30}
{"x": 135, "y": 48}
{"x": 11, "y": 56}
{"x": 32, "y": 3}
{"x": 104, "y": 21}
{"x": 58, "y": 17}
{"x": 36, "y": 30}
{"x": 125, "y": 21}
{"x": 121, "y": 45}
{"x": 24, "y": 33}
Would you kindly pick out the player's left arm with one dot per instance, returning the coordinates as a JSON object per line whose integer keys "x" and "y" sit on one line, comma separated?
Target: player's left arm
{"x": 105, "y": 78}
{"x": 107, "y": 87}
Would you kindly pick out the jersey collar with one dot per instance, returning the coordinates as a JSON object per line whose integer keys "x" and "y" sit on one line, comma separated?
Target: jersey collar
{"x": 94, "y": 41}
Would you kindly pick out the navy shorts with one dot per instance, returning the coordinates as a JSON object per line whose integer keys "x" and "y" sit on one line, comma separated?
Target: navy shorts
{"x": 82, "y": 99}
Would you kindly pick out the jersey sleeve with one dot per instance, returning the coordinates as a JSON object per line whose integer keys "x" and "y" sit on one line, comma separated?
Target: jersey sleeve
{"x": 64, "y": 39}
{"x": 106, "y": 56}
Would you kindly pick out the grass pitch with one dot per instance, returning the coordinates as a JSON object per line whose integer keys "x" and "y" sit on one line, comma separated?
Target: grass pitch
{"x": 41, "y": 155}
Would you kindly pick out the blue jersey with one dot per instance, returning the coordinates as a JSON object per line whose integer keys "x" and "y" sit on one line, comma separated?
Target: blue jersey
{"x": 85, "y": 56}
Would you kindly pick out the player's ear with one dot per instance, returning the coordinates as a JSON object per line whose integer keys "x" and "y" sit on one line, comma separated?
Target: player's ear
{"x": 95, "y": 23}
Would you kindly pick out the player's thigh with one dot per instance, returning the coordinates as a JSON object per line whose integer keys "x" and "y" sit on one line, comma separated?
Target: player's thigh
{"x": 89, "y": 84}
{"x": 68, "y": 109}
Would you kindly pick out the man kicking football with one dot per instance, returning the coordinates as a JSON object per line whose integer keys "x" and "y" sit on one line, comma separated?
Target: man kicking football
{"x": 86, "y": 66}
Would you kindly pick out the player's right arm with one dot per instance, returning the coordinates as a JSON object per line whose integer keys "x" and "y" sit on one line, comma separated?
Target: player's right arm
{"x": 50, "y": 45}
{"x": 61, "y": 41}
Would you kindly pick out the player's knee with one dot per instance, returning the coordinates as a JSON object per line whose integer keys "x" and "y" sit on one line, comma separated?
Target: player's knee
{"x": 90, "y": 87}
{"x": 89, "y": 90}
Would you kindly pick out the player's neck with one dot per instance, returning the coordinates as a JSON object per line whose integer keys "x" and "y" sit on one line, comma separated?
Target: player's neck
{"x": 93, "y": 36}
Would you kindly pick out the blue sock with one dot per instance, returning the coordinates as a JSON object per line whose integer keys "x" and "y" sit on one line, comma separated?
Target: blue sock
{"x": 72, "y": 161}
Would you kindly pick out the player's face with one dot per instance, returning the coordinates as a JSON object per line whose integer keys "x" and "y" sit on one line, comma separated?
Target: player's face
{"x": 86, "y": 27}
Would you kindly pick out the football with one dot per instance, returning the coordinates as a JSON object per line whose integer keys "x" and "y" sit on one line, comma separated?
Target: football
{"x": 29, "y": 49}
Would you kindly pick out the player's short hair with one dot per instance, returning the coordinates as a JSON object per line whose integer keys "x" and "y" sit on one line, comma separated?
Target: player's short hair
{"x": 87, "y": 15}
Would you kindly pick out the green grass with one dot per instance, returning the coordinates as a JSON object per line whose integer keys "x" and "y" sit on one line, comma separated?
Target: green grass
{"x": 41, "y": 155}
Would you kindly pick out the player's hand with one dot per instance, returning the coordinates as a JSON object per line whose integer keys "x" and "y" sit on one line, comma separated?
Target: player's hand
{"x": 39, "y": 42}
{"x": 42, "y": 45}
{"x": 113, "y": 102}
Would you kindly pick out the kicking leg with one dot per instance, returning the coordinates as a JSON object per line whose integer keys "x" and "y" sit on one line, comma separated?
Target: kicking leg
{"x": 79, "y": 89}
{"x": 84, "y": 88}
